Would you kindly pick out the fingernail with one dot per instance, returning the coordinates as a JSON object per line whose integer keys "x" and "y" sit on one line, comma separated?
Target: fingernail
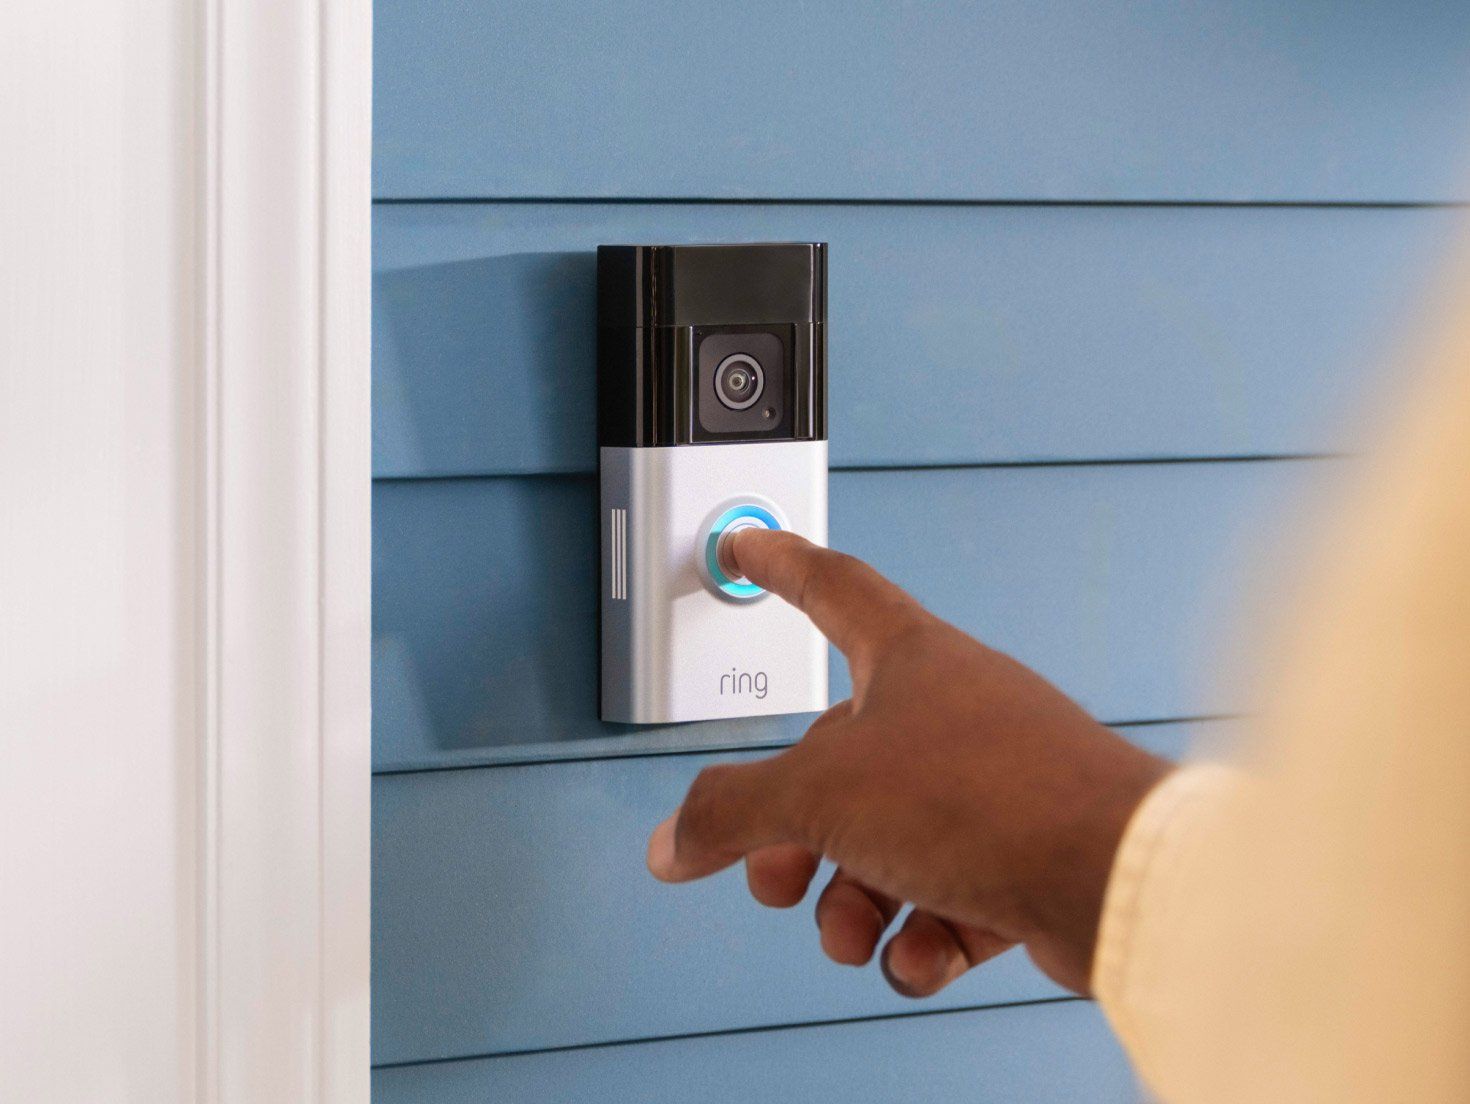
{"x": 894, "y": 981}
{"x": 661, "y": 850}
{"x": 730, "y": 545}
{"x": 739, "y": 537}
{"x": 899, "y": 985}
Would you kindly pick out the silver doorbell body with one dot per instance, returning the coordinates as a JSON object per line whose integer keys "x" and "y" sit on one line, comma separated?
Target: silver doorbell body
{"x": 712, "y": 417}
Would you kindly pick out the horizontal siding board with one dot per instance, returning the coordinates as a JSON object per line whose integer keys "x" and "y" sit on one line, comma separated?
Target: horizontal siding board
{"x": 512, "y": 911}
{"x": 1013, "y": 99}
{"x": 1057, "y": 1053}
{"x": 1114, "y": 580}
{"x": 959, "y": 334}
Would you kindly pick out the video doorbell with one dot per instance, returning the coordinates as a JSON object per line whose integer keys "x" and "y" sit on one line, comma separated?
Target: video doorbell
{"x": 712, "y": 417}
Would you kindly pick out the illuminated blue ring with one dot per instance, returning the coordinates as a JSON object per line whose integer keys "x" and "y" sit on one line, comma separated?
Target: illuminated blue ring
{"x": 712, "y": 544}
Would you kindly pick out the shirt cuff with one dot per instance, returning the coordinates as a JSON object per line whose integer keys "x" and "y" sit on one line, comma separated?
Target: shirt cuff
{"x": 1138, "y": 892}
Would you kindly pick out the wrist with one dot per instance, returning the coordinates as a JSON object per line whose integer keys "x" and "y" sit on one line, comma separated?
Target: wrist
{"x": 1067, "y": 881}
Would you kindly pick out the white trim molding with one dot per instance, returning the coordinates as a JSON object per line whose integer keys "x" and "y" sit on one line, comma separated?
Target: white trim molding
{"x": 285, "y": 539}
{"x": 185, "y": 489}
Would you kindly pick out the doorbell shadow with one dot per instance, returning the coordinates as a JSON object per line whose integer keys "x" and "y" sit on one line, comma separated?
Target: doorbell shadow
{"x": 456, "y": 392}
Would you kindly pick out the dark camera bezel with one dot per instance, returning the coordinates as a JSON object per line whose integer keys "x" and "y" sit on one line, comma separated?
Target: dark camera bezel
{"x": 770, "y": 347}
{"x": 651, "y": 301}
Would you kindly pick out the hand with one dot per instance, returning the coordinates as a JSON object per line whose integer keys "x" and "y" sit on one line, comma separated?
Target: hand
{"x": 955, "y": 779}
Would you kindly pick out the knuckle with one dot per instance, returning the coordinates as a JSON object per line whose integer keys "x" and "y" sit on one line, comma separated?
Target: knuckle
{"x": 822, "y": 794}
{"x": 819, "y": 569}
{"x": 713, "y": 775}
{"x": 908, "y": 631}
{"x": 805, "y": 571}
{"x": 704, "y": 807}
{"x": 702, "y": 793}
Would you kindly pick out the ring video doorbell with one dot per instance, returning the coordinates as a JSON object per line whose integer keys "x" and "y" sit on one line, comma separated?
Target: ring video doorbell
{"x": 712, "y": 418}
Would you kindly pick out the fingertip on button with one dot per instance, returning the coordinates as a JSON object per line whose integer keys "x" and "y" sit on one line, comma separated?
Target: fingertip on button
{"x": 717, "y": 563}
{"x": 725, "y": 549}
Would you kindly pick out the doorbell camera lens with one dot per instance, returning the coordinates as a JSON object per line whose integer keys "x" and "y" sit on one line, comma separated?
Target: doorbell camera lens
{"x": 739, "y": 381}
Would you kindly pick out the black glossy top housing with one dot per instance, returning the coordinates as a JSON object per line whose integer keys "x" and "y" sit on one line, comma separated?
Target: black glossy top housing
{"x": 656, "y": 304}
{"x": 711, "y": 285}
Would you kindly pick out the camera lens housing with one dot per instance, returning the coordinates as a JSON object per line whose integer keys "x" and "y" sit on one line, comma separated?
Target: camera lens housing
{"x": 742, "y": 383}
{"x": 711, "y": 344}
{"x": 739, "y": 381}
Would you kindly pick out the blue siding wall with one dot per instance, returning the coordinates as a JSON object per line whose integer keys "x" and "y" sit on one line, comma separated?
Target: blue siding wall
{"x": 513, "y": 913}
{"x": 1111, "y": 579}
{"x": 1010, "y": 99}
{"x": 1051, "y": 1053}
{"x": 1041, "y": 333}
{"x": 1086, "y": 424}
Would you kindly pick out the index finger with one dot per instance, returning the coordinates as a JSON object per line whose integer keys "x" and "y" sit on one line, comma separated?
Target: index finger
{"x": 854, "y": 607}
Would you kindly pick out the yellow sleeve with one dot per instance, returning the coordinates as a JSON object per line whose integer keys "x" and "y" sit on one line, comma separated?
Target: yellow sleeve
{"x": 1301, "y": 932}
{"x": 1149, "y": 895}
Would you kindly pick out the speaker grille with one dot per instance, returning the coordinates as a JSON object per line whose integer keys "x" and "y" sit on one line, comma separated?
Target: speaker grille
{"x": 619, "y": 523}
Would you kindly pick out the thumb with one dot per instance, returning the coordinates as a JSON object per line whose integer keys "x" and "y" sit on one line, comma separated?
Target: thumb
{"x": 730, "y": 810}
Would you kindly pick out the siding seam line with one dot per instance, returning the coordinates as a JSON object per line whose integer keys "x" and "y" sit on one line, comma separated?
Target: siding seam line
{"x": 900, "y": 201}
{"x": 720, "y": 749}
{"x": 979, "y": 465}
{"x": 727, "y": 1032}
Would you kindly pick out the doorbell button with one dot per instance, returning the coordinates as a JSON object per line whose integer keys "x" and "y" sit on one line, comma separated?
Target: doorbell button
{"x": 714, "y": 561}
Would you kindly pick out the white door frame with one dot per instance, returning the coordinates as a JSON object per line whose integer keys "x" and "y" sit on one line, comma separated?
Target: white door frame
{"x": 285, "y": 460}
{"x": 185, "y": 493}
